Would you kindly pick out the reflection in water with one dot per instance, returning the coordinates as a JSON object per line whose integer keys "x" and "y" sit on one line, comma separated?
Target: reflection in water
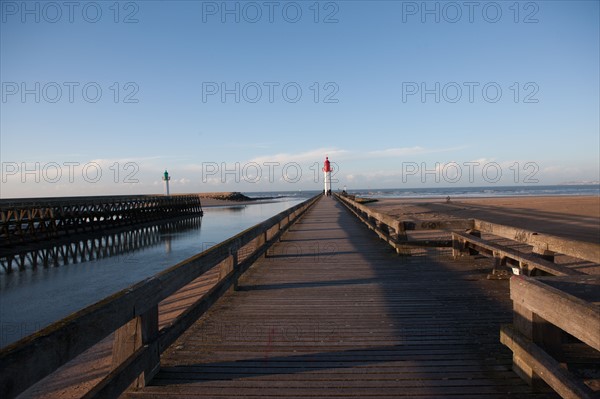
{"x": 228, "y": 208}
{"x": 98, "y": 246}
{"x": 168, "y": 245}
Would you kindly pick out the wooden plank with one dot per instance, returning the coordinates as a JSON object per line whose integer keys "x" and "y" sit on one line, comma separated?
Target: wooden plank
{"x": 449, "y": 224}
{"x": 576, "y": 249}
{"x": 585, "y": 287}
{"x": 499, "y": 250}
{"x": 570, "y": 313}
{"x": 563, "y": 382}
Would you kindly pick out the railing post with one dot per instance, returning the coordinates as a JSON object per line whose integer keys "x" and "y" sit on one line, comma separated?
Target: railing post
{"x": 398, "y": 235}
{"x": 400, "y": 232}
{"x": 458, "y": 246}
{"x": 140, "y": 331}
{"x": 474, "y": 233}
{"x": 264, "y": 241}
{"x": 234, "y": 267}
{"x": 381, "y": 226}
{"x": 543, "y": 253}
{"x": 538, "y": 330}
{"x": 499, "y": 270}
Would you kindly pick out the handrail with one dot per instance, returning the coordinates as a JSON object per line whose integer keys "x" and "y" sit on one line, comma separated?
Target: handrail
{"x": 544, "y": 242}
{"x": 544, "y": 310}
{"x": 394, "y": 231}
{"x": 32, "y": 358}
{"x": 526, "y": 262}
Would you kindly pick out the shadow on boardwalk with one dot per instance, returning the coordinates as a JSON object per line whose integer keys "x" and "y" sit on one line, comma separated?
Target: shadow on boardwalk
{"x": 332, "y": 311}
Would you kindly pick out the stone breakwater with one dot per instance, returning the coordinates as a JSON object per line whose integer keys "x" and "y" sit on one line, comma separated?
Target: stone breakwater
{"x": 226, "y": 196}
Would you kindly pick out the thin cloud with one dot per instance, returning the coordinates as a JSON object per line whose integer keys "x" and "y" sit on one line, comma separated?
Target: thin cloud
{"x": 307, "y": 156}
{"x": 404, "y": 151}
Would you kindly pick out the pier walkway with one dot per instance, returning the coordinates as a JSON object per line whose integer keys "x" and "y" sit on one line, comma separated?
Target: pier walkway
{"x": 332, "y": 311}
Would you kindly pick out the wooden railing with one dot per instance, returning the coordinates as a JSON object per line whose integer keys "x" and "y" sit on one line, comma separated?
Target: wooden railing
{"x": 547, "y": 311}
{"x": 465, "y": 239}
{"x": 133, "y": 315}
{"x": 540, "y": 260}
{"x": 543, "y": 244}
{"x": 393, "y": 230}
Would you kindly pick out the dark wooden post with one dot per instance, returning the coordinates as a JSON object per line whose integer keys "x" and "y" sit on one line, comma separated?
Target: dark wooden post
{"x": 234, "y": 267}
{"x": 459, "y": 246}
{"x": 535, "y": 328}
{"x": 400, "y": 237}
{"x": 499, "y": 270}
{"x": 142, "y": 330}
{"x": 543, "y": 253}
{"x": 475, "y": 233}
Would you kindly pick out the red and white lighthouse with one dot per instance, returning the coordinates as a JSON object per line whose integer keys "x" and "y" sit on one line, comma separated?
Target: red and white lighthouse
{"x": 327, "y": 176}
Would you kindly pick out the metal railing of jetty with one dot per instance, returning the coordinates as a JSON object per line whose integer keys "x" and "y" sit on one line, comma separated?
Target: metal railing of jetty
{"x": 465, "y": 239}
{"x": 545, "y": 309}
{"x": 133, "y": 315}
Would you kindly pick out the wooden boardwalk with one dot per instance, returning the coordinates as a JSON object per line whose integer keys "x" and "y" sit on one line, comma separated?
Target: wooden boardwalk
{"x": 332, "y": 311}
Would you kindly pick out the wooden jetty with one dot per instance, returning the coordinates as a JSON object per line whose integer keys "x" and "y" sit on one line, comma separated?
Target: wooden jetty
{"x": 329, "y": 310}
{"x": 53, "y": 231}
{"x": 39, "y": 219}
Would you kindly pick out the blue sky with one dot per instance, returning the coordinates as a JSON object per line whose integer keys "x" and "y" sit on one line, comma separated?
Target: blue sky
{"x": 398, "y": 94}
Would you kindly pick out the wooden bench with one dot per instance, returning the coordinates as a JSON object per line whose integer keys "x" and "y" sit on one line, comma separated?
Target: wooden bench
{"x": 546, "y": 308}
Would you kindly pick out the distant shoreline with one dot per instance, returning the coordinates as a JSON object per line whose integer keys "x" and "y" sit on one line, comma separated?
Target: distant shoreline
{"x": 233, "y": 198}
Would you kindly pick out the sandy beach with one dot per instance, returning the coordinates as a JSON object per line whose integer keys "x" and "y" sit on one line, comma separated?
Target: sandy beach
{"x": 573, "y": 217}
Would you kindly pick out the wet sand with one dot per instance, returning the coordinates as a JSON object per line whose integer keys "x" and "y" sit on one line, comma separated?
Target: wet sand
{"x": 573, "y": 217}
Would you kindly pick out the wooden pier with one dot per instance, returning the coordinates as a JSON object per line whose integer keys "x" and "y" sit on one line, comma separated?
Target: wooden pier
{"x": 325, "y": 310}
{"x": 334, "y": 312}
